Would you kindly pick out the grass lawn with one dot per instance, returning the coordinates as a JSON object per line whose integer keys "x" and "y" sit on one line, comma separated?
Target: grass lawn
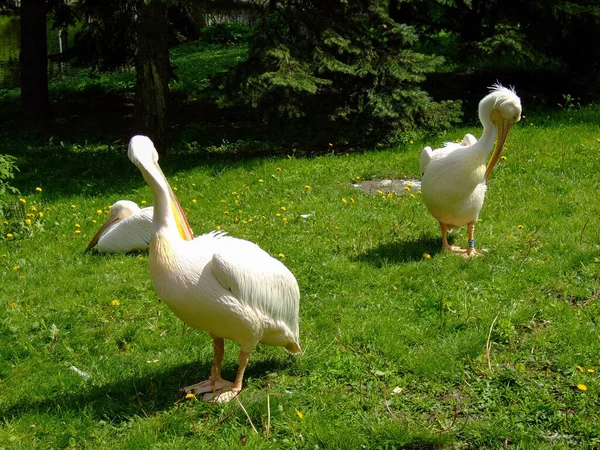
{"x": 404, "y": 347}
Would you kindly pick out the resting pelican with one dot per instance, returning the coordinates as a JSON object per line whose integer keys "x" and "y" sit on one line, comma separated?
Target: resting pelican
{"x": 229, "y": 287}
{"x": 453, "y": 177}
{"x": 126, "y": 229}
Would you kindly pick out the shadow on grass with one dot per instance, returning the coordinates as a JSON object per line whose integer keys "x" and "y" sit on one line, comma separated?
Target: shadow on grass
{"x": 141, "y": 396}
{"x": 401, "y": 251}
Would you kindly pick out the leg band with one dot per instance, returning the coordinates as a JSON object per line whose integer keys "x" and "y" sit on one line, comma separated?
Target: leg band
{"x": 471, "y": 243}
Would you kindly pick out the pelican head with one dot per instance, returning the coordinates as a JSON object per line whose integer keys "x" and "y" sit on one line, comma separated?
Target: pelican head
{"x": 143, "y": 154}
{"x": 502, "y": 107}
{"x": 117, "y": 212}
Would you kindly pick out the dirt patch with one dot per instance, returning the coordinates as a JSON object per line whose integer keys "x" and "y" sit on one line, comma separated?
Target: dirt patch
{"x": 374, "y": 187}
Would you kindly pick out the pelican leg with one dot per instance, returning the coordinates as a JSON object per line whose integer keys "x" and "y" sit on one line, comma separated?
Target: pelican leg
{"x": 229, "y": 394}
{"x": 447, "y": 247}
{"x": 215, "y": 384}
{"x": 471, "y": 250}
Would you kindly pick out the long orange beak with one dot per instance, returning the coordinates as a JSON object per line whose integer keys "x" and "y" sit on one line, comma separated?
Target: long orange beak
{"x": 503, "y": 127}
{"x": 101, "y": 231}
{"x": 182, "y": 223}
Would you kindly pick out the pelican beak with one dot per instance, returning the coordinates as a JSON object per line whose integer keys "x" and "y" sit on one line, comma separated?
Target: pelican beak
{"x": 503, "y": 126}
{"x": 101, "y": 231}
{"x": 183, "y": 226}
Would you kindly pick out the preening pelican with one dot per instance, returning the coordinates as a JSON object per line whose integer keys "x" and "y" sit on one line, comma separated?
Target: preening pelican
{"x": 229, "y": 287}
{"x": 126, "y": 229}
{"x": 453, "y": 177}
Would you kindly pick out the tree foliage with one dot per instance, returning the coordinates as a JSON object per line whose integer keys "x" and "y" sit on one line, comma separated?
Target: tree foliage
{"x": 532, "y": 35}
{"x": 339, "y": 61}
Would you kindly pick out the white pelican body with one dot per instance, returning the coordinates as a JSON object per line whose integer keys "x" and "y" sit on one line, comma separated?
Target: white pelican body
{"x": 229, "y": 287}
{"x": 454, "y": 177}
{"x": 127, "y": 229}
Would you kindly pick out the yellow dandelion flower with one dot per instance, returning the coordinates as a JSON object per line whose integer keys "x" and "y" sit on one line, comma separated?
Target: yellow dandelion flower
{"x": 93, "y": 220}
{"x": 22, "y": 201}
{"x": 33, "y": 208}
{"x": 407, "y": 188}
{"x": 284, "y": 220}
{"x": 13, "y": 305}
{"x": 419, "y": 191}
{"x": 73, "y": 206}
{"x": 77, "y": 231}
{"x": 307, "y": 187}
{"x": 344, "y": 201}
{"x": 411, "y": 141}
{"x": 99, "y": 211}
{"x": 520, "y": 227}
{"x": 299, "y": 414}
{"x": 189, "y": 396}
{"x": 9, "y": 235}
{"x": 426, "y": 256}
{"x": 352, "y": 200}
{"x": 222, "y": 201}
{"x": 379, "y": 191}
{"x": 390, "y": 195}
{"x": 115, "y": 302}
{"x": 39, "y": 189}
{"x": 330, "y": 144}
{"x": 174, "y": 188}
{"x": 226, "y": 213}
{"x": 412, "y": 196}
{"x": 194, "y": 201}
{"x": 3, "y": 255}
{"x": 5, "y": 222}
{"x": 16, "y": 267}
{"x": 283, "y": 208}
{"x": 278, "y": 214}
{"x": 260, "y": 180}
{"x": 591, "y": 370}
{"x": 357, "y": 177}
{"x": 21, "y": 277}
{"x": 40, "y": 214}
{"x": 278, "y": 169}
{"x": 503, "y": 158}
{"x": 27, "y": 221}
{"x": 143, "y": 202}
{"x": 77, "y": 225}
{"x": 234, "y": 193}
{"x": 194, "y": 184}
{"x": 579, "y": 368}
{"x": 281, "y": 255}
{"x": 218, "y": 227}
{"x": 582, "y": 387}
{"x": 30, "y": 216}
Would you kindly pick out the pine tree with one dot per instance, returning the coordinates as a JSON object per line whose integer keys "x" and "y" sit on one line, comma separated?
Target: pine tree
{"x": 341, "y": 61}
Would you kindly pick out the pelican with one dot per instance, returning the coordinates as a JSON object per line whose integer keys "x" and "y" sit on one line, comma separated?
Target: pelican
{"x": 454, "y": 177}
{"x": 228, "y": 287}
{"x": 126, "y": 229}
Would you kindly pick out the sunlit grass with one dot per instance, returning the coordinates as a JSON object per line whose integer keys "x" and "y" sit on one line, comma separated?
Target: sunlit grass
{"x": 395, "y": 342}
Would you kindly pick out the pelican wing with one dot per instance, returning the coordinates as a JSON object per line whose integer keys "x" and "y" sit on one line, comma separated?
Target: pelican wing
{"x": 259, "y": 281}
{"x": 425, "y": 158}
{"x": 469, "y": 139}
{"x": 129, "y": 234}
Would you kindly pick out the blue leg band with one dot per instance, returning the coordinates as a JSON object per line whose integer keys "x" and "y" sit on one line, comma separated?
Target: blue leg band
{"x": 471, "y": 243}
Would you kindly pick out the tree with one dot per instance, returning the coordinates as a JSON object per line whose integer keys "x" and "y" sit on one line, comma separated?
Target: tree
{"x": 533, "y": 36}
{"x": 338, "y": 61}
{"x": 152, "y": 70}
{"x": 34, "y": 60}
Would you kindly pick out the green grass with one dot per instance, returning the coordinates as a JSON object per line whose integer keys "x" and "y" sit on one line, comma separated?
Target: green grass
{"x": 379, "y": 321}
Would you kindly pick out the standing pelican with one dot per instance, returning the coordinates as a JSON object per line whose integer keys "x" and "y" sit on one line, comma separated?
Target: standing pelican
{"x": 126, "y": 229}
{"x": 229, "y": 287}
{"x": 453, "y": 177}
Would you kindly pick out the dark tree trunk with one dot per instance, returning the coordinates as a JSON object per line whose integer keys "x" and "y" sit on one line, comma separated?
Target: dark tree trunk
{"x": 152, "y": 68}
{"x": 34, "y": 60}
